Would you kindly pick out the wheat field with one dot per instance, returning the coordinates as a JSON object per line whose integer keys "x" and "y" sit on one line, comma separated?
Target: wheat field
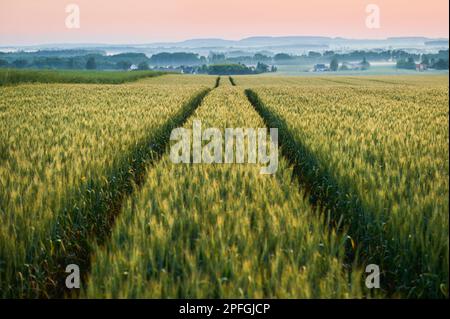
{"x": 86, "y": 178}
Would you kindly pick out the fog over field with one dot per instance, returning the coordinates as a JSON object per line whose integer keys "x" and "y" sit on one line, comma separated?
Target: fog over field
{"x": 273, "y": 45}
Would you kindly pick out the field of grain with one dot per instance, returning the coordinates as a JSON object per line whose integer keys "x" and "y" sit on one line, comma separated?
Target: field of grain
{"x": 67, "y": 151}
{"x": 14, "y": 76}
{"x": 86, "y": 178}
{"x": 221, "y": 231}
{"x": 374, "y": 150}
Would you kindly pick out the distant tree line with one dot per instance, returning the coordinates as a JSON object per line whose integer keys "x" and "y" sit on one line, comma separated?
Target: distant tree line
{"x": 85, "y": 59}
{"x": 335, "y": 65}
{"x": 437, "y": 61}
{"x": 90, "y": 61}
{"x": 176, "y": 58}
{"x": 234, "y": 69}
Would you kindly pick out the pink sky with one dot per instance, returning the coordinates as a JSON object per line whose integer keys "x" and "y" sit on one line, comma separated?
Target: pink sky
{"x": 143, "y": 21}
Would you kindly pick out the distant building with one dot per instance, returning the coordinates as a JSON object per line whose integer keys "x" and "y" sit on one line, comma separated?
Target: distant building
{"x": 421, "y": 67}
{"x": 133, "y": 67}
{"x": 321, "y": 68}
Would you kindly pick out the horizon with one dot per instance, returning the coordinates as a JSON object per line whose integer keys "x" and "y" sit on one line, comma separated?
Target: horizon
{"x": 218, "y": 38}
{"x": 25, "y": 23}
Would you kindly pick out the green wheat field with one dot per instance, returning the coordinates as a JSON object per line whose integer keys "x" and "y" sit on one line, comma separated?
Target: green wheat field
{"x": 86, "y": 179}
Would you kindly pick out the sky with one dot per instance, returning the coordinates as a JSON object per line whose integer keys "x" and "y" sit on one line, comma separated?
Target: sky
{"x": 25, "y": 22}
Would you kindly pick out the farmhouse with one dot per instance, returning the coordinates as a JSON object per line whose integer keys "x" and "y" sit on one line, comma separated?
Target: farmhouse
{"x": 421, "y": 67}
{"x": 321, "y": 68}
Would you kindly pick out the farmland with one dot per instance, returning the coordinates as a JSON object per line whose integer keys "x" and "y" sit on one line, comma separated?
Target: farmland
{"x": 65, "y": 155}
{"x": 215, "y": 231}
{"x": 14, "y": 76}
{"x": 86, "y": 178}
{"x": 376, "y": 152}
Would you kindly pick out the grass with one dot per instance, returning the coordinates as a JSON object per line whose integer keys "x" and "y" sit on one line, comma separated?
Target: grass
{"x": 14, "y": 76}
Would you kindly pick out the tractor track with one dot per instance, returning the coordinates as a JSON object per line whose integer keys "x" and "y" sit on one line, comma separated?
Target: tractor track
{"x": 79, "y": 250}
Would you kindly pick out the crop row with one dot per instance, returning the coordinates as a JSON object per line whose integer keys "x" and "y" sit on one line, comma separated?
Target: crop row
{"x": 221, "y": 230}
{"x": 69, "y": 153}
{"x": 376, "y": 155}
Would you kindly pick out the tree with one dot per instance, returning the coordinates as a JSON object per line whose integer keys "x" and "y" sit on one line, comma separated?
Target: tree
{"x": 90, "y": 64}
{"x": 55, "y": 62}
{"x": 217, "y": 57}
{"x": 313, "y": 54}
{"x": 262, "y": 68}
{"x": 20, "y": 63}
{"x": 441, "y": 64}
{"x": 71, "y": 63}
{"x": 408, "y": 64}
{"x": 425, "y": 60}
{"x": 3, "y": 63}
{"x": 282, "y": 57}
{"x": 143, "y": 66}
{"x": 176, "y": 58}
{"x": 334, "y": 65}
{"x": 261, "y": 58}
{"x": 123, "y": 65}
{"x": 203, "y": 69}
{"x": 365, "y": 64}
{"x": 229, "y": 69}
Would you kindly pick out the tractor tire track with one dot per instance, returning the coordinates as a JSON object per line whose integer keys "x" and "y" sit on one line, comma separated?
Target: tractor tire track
{"x": 106, "y": 200}
{"x": 345, "y": 213}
